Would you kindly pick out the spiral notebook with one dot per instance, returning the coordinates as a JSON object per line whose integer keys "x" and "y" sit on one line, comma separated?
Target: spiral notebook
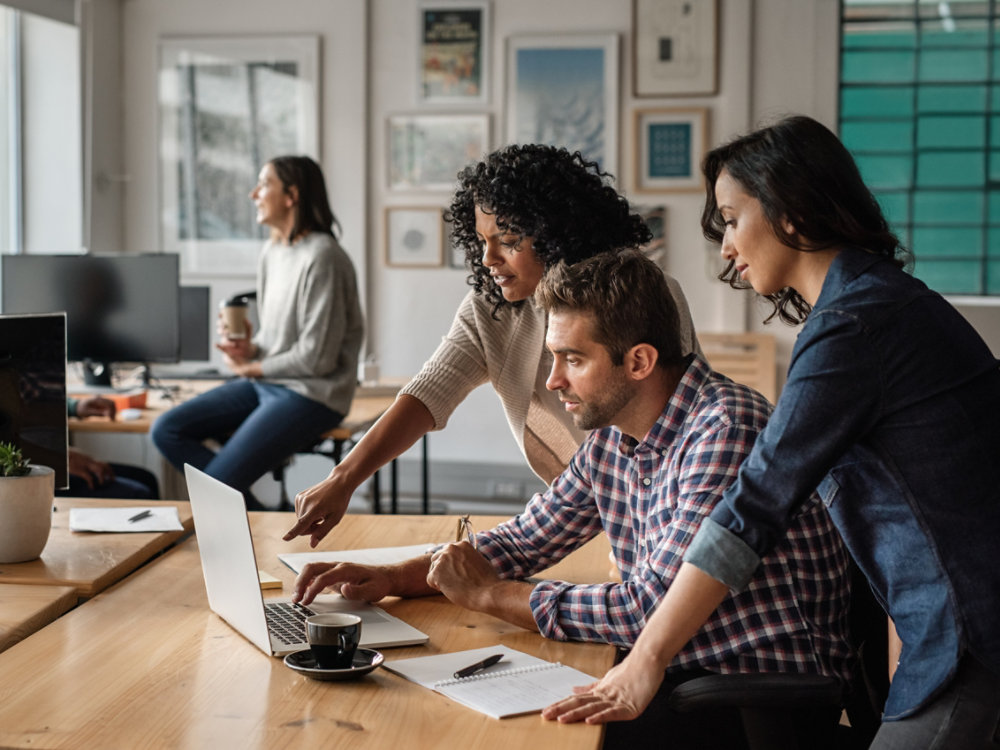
{"x": 519, "y": 684}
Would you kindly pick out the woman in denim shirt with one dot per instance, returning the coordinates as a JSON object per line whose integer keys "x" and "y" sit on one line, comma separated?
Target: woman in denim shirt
{"x": 891, "y": 408}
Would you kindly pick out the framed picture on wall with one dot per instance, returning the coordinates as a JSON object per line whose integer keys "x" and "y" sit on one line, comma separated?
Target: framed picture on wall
{"x": 669, "y": 147}
{"x": 226, "y": 106}
{"x": 563, "y": 90}
{"x": 426, "y": 152}
{"x": 675, "y": 47}
{"x": 453, "y": 52}
{"x": 414, "y": 236}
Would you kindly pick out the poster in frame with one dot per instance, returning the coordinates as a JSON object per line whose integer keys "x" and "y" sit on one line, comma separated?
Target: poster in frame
{"x": 669, "y": 147}
{"x": 226, "y": 106}
{"x": 414, "y": 236}
{"x": 427, "y": 151}
{"x": 563, "y": 90}
{"x": 453, "y": 52}
{"x": 675, "y": 47}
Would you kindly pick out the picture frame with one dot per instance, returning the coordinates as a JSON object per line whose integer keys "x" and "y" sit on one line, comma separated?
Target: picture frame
{"x": 453, "y": 54}
{"x": 414, "y": 236}
{"x": 563, "y": 90}
{"x": 655, "y": 217}
{"x": 454, "y": 254}
{"x": 226, "y": 106}
{"x": 669, "y": 147}
{"x": 427, "y": 151}
{"x": 675, "y": 47}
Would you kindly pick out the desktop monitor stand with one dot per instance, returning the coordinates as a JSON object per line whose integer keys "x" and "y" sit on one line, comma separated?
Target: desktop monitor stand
{"x": 97, "y": 373}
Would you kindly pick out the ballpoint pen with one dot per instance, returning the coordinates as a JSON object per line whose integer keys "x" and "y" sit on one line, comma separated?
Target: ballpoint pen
{"x": 479, "y": 666}
{"x": 139, "y": 516}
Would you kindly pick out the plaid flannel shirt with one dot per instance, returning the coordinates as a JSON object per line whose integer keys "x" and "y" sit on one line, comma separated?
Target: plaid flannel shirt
{"x": 650, "y": 498}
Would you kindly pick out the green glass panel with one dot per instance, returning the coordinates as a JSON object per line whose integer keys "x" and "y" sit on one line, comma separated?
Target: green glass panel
{"x": 994, "y": 96}
{"x": 901, "y": 37}
{"x": 877, "y": 67}
{"x": 949, "y": 277}
{"x": 966, "y": 34}
{"x": 938, "y": 131}
{"x": 993, "y": 207}
{"x": 943, "y": 169}
{"x": 885, "y": 172}
{"x": 994, "y": 166}
{"x": 950, "y": 99}
{"x": 993, "y": 243}
{"x": 877, "y": 101}
{"x": 993, "y": 278}
{"x": 948, "y": 242}
{"x": 953, "y": 65}
{"x": 948, "y": 206}
{"x": 995, "y": 131}
{"x": 895, "y": 207}
{"x": 866, "y": 136}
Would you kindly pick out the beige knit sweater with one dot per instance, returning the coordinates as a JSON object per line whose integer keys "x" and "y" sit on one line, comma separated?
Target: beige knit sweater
{"x": 510, "y": 353}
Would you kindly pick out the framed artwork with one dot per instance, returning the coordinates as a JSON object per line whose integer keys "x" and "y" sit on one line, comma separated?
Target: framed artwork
{"x": 563, "y": 90}
{"x": 455, "y": 255}
{"x": 426, "y": 152}
{"x": 226, "y": 106}
{"x": 669, "y": 147}
{"x": 453, "y": 52}
{"x": 675, "y": 47}
{"x": 414, "y": 236}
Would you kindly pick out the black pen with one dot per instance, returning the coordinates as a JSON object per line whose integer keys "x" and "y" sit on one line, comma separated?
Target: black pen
{"x": 470, "y": 670}
{"x": 139, "y": 516}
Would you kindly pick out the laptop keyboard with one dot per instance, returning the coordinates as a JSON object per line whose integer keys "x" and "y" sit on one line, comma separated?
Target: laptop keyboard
{"x": 287, "y": 621}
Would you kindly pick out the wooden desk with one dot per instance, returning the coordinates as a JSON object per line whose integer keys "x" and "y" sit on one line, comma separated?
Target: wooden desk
{"x": 147, "y": 664}
{"x": 89, "y": 563}
{"x": 25, "y": 609}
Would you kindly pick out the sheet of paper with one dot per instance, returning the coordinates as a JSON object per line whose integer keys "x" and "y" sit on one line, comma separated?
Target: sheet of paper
{"x": 373, "y": 556}
{"x": 160, "y": 518}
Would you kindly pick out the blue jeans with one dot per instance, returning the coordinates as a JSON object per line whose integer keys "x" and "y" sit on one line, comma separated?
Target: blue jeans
{"x": 259, "y": 425}
{"x": 966, "y": 715}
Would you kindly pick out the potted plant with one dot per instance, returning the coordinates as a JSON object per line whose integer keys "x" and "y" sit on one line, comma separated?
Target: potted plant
{"x": 26, "y": 495}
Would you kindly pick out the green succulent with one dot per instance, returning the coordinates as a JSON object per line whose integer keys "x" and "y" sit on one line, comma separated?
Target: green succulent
{"x": 12, "y": 462}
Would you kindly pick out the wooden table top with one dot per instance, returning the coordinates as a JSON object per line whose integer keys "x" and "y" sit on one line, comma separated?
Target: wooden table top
{"x": 91, "y": 562}
{"x": 147, "y": 664}
{"x": 25, "y": 609}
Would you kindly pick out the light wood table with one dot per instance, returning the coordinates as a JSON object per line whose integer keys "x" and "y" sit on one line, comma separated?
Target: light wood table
{"x": 25, "y": 609}
{"x": 91, "y": 562}
{"x": 147, "y": 664}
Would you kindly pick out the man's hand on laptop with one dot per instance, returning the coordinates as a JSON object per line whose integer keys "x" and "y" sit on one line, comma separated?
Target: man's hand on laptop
{"x": 358, "y": 582}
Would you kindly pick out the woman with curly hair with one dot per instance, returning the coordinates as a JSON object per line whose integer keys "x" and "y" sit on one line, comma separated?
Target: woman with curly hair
{"x": 516, "y": 213}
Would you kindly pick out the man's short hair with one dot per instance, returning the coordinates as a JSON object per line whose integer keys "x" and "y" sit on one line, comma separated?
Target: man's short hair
{"x": 628, "y": 297}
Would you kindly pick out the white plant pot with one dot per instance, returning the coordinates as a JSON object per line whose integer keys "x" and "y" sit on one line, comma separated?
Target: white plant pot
{"x": 26, "y": 514}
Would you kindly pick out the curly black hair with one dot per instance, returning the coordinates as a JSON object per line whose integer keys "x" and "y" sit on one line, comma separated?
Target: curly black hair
{"x": 559, "y": 199}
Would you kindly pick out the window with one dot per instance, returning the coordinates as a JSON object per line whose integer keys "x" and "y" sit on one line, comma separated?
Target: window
{"x": 920, "y": 112}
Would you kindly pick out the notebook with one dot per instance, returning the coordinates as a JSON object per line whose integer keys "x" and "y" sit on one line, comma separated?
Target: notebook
{"x": 519, "y": 684}
{"x": 231, "y": 579}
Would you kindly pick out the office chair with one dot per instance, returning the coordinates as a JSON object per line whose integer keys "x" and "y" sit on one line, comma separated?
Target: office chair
{"x": 797, "y": 712}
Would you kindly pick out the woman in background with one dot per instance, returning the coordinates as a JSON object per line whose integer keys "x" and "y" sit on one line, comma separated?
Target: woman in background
{"x": 516, "y": 213}
{"x": 891, "y": 408}
{"x": 298, "y": 373}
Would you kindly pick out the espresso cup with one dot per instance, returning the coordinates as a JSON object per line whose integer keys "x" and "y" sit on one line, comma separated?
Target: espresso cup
{"x": 234, "y": 317}
{"x": 333, "y": 638}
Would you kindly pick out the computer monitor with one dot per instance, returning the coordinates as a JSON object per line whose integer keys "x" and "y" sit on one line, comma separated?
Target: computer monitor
{"x": 119, "y": 308}
{"x": 33, "y": 389}
{"x": 196, "y": 323}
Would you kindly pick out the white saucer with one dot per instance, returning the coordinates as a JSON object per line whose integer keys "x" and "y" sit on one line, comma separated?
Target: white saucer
{"x": 365, "y": 660}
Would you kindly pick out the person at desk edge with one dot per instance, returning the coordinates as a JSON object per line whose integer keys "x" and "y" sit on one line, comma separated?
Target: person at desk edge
{"x": 89, "y": 477}
{"x": 891, "y": 407}
{"x": 516, "y": 213}
{"x": 299, "y": 372}
{"x": 668, "y": 437}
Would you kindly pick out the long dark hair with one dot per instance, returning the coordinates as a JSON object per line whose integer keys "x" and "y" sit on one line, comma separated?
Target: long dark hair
{"x": 802, "y": 173}
{"x": 312, "y": 210}
{"x": 559, "y": 199}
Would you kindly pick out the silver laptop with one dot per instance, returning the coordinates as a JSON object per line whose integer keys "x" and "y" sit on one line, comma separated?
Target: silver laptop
{"x": 231, "y": 578}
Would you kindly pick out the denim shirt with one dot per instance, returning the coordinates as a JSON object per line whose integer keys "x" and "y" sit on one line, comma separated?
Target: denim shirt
{"x": 891, "y": 409}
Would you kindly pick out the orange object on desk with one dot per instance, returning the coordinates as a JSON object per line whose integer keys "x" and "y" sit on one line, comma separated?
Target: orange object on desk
{"x": 131, "y": 400}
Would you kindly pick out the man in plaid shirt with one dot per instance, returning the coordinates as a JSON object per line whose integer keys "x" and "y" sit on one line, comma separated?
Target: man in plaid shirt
{"x": 668, "y": 438}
